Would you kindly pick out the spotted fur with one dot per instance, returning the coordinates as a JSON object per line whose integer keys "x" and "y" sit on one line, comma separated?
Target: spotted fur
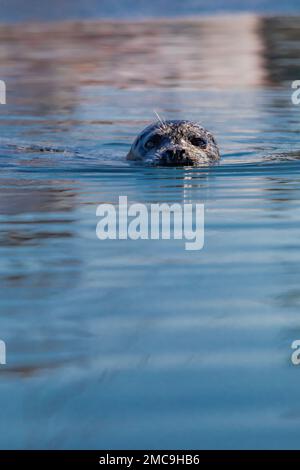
{"x": 175, "y": 143}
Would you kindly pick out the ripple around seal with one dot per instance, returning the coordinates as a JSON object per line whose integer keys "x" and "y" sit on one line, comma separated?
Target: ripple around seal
{"x": 143, "y": 343}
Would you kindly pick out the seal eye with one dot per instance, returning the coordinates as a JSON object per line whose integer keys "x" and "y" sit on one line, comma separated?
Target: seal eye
{"x": 200, "y": 142}
{"x": 153, "y": 141}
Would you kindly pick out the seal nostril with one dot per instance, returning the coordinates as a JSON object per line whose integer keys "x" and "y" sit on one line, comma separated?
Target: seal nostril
{"x": 170, "y": 154}
{"x": 179, "y": 155}
{"x": 175, "y": 154}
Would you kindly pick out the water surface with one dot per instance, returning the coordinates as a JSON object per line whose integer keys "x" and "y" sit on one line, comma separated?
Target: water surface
{"x": 123, "y": 344}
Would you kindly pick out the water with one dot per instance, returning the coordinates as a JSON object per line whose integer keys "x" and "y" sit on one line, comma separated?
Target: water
{"x": 57, "y": 10}
{"x": 123, "y": 344}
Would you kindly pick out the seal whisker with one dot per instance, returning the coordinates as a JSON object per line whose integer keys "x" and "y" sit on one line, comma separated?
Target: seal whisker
{"x": 163, "y": 123}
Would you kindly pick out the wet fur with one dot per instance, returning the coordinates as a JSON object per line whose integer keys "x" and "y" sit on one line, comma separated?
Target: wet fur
{"x": 175, "y": 136}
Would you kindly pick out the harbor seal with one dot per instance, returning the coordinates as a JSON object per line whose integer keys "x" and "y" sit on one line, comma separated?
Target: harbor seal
{"x": 175, "y": 143}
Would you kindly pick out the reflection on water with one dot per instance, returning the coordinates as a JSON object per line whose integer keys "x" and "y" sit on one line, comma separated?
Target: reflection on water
{"x": 142, "y": 343}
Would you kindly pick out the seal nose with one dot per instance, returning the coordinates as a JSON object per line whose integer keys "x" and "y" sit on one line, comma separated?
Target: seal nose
{"x": 174, "y": 156}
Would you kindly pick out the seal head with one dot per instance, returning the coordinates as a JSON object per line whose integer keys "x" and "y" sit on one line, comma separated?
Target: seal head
{"x": 175, "y": 143}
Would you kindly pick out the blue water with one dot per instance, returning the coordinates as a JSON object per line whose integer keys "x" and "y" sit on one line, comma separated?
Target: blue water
{"x": 57, "y": 10}
{"x": 142, "y": 344}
